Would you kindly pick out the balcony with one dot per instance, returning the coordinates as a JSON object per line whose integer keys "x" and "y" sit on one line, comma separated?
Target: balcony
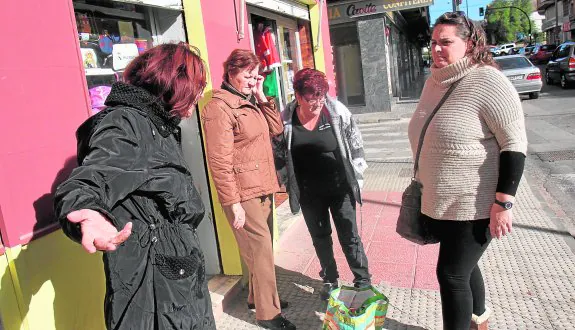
{"x": 542, "y": 5}
{"x": 548, "y": 24}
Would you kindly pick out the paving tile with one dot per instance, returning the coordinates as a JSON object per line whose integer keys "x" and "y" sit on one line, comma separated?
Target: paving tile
{"x": 394, "y": 197}
{"x": 345, "y": 273}
{"x": 397, "y": 275}
{"x": 391, "y": 252}
{"x": 294, "y": 261}
{"x": 425, "y": 277}
{"x": 427, "y": 254}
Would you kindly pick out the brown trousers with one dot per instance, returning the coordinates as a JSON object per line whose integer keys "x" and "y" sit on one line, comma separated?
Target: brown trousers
{"x": 255, "y": 244}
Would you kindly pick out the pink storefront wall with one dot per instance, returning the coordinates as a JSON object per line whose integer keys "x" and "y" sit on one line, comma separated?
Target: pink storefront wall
{"x": 220, "y": 29}
{"x": 42, "y": 101}
{"x": 221, "y": 38}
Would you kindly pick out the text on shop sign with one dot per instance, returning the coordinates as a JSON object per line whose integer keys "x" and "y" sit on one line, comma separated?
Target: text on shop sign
{"x": 340, "y": 13}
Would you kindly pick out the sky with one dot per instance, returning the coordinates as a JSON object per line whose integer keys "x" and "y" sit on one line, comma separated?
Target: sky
{"x": 441, "y": 6}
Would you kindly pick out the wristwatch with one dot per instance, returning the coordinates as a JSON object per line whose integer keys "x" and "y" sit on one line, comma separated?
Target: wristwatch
{"x": 506, "y": 205}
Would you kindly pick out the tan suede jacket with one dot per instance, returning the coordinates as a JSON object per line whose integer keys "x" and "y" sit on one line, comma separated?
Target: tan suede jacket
{"x": 238, "y": 144}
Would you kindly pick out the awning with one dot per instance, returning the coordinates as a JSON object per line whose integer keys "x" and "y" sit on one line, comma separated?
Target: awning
{"x": 167, "y": 4}
{"x": 285, "y": 7}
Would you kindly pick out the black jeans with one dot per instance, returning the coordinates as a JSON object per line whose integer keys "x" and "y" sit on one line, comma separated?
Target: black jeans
{"x": 316, "y": 208}
{"x": 462, "y": 244}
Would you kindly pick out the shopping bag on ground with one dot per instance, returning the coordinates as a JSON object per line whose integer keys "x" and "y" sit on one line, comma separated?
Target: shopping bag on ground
{"x": 351, "y": 308}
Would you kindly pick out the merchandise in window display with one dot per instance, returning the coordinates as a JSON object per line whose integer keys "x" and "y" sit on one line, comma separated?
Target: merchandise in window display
{"x": 270, "y": 85}
{"x": 89, "y": 58}
{"x": 266, "y": 48}
{"x": 98, "y": 97}
{"x": 107, "y": 41}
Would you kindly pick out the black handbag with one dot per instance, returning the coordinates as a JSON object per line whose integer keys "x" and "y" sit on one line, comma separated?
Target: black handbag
{"x": 410, "y": 224}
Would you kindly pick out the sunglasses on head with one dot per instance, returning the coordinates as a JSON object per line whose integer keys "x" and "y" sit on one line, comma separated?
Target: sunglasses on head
{"x": 457, "y": 14}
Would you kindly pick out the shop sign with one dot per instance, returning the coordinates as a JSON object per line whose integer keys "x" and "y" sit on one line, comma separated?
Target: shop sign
{"x": 566, "y": 26}
{"x": 340, "y": 13}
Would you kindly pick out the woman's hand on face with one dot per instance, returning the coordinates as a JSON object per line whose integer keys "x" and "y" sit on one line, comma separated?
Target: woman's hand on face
{"x": 258, "y": 89}
{"x": 501, "y": 221}
{"x": 98, "y": 233}
{"x": 239, "y": 216}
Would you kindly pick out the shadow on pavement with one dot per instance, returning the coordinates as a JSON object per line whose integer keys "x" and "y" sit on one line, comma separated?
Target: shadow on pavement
{"x": 305, "y": 310}
{"x": 544, "y": 230}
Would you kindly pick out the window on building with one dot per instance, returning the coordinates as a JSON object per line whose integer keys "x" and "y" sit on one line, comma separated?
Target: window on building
{"x": 347, "y": 56}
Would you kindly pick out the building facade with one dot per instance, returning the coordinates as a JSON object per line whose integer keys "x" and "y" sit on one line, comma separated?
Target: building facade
{"x": 47, "y": 281}
{"x": 377, "y": 48}
{"x": 559, "y": 22}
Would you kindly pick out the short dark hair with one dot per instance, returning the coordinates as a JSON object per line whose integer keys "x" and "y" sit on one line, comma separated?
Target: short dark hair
{"x": 310, "y": 82}
{"x": 175, "y": 73}
{"x": 469, "y": 30}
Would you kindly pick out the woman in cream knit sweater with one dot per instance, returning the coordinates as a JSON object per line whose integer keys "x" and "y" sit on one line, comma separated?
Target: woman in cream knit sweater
{"x": 471, "y": 162}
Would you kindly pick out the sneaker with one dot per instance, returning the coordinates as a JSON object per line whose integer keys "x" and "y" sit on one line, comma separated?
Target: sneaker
{"x": 326, "y": 290}
{"x": 279, "y": 322}
{"x": 283, "y": 305}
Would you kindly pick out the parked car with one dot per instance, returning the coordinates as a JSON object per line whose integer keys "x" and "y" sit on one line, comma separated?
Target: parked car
{"x": 515, "y": 51}
{"x": 561, "y": 66}
{"x": 542, "y": 53}
{"x": 505, "y": 49}
{"x": 528, "y": 50}
{"x": 525, "y": 77}
{"x": 494, "y": 50}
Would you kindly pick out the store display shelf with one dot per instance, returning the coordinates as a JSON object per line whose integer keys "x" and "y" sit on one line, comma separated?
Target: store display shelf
{"x": 99, "y": 72}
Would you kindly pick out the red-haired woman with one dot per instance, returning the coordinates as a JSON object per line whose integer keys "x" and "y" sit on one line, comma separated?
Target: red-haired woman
{"x": 239, "y": 122}
{"x": 132, "y": 196}
{"x": 325, "y": 164}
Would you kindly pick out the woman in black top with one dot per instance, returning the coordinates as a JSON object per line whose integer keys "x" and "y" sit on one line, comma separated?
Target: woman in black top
{"x": 325, "y": 164}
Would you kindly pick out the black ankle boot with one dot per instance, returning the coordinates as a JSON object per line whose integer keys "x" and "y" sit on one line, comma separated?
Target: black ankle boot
{"x": 277, "y": 323}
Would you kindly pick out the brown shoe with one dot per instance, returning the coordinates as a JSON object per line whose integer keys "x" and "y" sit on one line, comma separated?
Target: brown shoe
{"x": 480, "y": 322}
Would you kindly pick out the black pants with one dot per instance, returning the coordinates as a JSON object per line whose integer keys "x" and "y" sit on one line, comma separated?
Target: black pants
{"x": 316, "y": 208}
{"x": 462, "y": 244}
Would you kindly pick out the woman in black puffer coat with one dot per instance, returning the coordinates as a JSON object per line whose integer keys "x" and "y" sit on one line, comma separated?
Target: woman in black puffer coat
{"x": 132, "y": 196}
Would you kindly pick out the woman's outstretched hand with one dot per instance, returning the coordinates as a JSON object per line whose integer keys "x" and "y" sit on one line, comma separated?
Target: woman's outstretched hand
{"x": 98, "y": 233}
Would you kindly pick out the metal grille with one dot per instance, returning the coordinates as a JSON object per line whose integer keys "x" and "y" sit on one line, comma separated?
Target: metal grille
{"x": 553, "y": 156}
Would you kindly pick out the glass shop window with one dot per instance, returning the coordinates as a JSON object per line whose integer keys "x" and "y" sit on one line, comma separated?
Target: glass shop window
{"x": 113, "y": 33}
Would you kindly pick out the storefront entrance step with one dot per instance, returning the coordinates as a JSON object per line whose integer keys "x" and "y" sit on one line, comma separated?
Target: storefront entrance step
{"x": 223, "y": 288}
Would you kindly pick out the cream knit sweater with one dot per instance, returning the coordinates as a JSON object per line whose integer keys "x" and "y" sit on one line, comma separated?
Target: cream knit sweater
{"x": 459, "y": 161}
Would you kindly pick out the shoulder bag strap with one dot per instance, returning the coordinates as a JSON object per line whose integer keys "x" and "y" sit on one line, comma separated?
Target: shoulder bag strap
{"x": 424, "y": 129}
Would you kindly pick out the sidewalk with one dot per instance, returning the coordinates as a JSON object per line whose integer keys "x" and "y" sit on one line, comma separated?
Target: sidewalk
{"x": 529, "y": 275}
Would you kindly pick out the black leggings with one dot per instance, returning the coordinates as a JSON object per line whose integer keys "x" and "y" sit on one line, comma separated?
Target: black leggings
{"x": 462, "y": 244}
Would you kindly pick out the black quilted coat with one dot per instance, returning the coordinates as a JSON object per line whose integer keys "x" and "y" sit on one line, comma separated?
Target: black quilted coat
{"x": 132, "y": 169}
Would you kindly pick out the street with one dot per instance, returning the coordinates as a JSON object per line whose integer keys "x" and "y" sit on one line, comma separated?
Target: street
{"x": 550, "y": 122}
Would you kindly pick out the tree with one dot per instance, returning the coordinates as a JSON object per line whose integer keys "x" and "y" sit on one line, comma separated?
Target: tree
{"x": 509, "y": 24}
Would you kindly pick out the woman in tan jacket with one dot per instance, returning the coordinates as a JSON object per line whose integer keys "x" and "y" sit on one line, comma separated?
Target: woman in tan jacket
{"x": 239, "y": 122}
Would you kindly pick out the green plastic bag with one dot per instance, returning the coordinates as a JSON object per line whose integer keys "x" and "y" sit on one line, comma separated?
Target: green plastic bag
{"x": 351, "y": 308}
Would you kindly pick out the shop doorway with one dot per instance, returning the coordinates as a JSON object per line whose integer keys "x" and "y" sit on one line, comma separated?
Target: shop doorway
{"x": 111, "y": 34}
{"x": 277, "y": 41}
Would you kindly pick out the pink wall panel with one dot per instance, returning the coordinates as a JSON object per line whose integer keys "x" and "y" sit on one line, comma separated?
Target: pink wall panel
{"x": 220, "y": 28}
{"x": 328, "y": 54}
{"x": 44, "y": 99}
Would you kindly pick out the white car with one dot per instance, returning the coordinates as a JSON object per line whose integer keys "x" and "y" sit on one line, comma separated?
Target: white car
{"x": 505, "y": 49}
{"x": 525, "y": 77}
